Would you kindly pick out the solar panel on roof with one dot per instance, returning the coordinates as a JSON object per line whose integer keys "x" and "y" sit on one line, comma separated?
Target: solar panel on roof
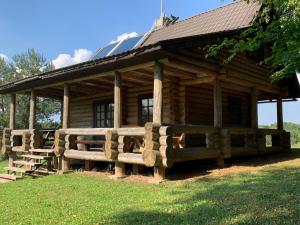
{"x": 105, "y": 51}
{"x": 126, "y": 45}
{"x": 117, "y": 48}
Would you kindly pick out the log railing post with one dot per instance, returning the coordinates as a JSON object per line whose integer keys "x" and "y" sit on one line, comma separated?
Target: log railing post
{"x": 32, "y": 110}
{"x": 64, "y": 162}
{"x": 119, "y": 167}
{"x": 12, "y": 124}
{"x": 159, "y": 171}
{"x": 279, "y": 114}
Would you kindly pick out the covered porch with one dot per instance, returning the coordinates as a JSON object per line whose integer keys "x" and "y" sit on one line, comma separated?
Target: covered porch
{"x": 154, "y": 114}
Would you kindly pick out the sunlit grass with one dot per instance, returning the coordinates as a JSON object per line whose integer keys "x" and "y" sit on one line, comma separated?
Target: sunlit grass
{"x": 270, "y": 196}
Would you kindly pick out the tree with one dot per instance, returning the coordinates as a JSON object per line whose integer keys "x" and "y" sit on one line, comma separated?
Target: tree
{"x": 24, "y": 65}
{"x": 277, "y": 27}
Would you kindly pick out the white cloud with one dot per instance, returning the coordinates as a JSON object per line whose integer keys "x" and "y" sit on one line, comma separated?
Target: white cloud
{"x": 124, "y": 37}
{"x": 80, "y": 55}
{"x": 5, "y": 57}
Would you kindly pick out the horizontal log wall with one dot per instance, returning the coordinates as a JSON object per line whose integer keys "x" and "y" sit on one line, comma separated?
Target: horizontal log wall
{"x": 81, "y": 109}
{"x": 200, "y": 106}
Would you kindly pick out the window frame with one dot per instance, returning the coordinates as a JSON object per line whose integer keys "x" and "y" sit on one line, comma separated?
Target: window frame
{"x": 106, "y": 104}
{"x": 140, "y": 108}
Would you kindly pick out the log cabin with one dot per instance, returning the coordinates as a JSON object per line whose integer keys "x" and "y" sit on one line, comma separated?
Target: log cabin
{"x": 156, "y": 103}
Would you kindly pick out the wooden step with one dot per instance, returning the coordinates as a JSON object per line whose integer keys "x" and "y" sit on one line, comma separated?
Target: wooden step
{"x": 41, "y": 150}
{"x": 45, "y": 172}
{"x": 24, "y": 163}
{"x": 18, "y": 149}
{"x": 9, "y": 177}
{"x": 37, "y": 157}
{"x": 17, "y": 170}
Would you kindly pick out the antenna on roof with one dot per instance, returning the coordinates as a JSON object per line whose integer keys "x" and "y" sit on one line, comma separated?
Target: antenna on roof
{"x": 161, "y": 8}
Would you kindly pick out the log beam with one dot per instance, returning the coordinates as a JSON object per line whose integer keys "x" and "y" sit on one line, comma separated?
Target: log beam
{"x": 32, "y": 110}
{"x": 157, "y": 93}
{"x": 279, "y": 114}
{"x": 12, "y": 112}
{"x": 217, "y": 104}
{"x": 117, "y": 101}
{"x": 254, "y": 116}
{"x": 66, "y": 106}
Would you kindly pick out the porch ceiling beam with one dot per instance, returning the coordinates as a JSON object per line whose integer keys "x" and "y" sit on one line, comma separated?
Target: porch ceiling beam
{"x": 179, "y": 73}
{"x": 108, "y": 73}
{"x": 191, "y": 68}
{"x": 266, "y": 87}
{"x": 135, "y": 81}
{"x": 200, "y": 80}
{"x": 196, "y": 57}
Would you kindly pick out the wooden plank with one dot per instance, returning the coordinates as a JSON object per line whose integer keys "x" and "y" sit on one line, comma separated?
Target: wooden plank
{"x": 195, "y": 153}
{"x": 16, "y": 169}
{"x": 48, "y": 151}
{"x": 36, "y": 157}
{"x": 25, "y": 163}
{"x": 9, "y": 177}
{"x": 86, "y": 155}
{"x": 85, "y": 131}
{"x": 131, "y": 158}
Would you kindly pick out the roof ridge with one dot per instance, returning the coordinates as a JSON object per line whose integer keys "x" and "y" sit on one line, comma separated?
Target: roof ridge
{"x": 200, "y": 14}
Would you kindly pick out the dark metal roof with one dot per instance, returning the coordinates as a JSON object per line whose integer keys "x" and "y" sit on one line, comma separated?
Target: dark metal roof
{"x": 234, "y": 16}
{"x": 129, "y": 58}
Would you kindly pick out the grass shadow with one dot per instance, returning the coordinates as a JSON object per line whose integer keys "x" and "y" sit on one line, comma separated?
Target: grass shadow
{"x": 246, "y": 199}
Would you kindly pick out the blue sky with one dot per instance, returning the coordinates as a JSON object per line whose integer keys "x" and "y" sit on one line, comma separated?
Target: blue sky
{"x": 58, "y": 28}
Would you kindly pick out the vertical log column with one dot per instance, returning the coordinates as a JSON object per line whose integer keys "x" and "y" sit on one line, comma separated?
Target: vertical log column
{"x": 159, "y": 171}
{"x": 32, "y": 110}
{"x": 65, "y": 163}
{"x": 12, "y": 124}
{"x": 119, "y": 167}
{"x": 279, "y": 114}
{"x": 218, "y": 113}
{"x": 254, "y": 116}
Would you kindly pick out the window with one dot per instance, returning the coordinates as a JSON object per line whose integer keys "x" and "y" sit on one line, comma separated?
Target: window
{"x": 103, "y": 114}
{"x": 235, "y": 110}
{"x": 145, "y": 109}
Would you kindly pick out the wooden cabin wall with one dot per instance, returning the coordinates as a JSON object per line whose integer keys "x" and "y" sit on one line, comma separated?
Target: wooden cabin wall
{"x": 200, "y": 107}
{"x": 81, "y": 109}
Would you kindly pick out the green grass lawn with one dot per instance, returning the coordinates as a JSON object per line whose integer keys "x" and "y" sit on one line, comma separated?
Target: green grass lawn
{"x": 268, "y": 195}
{"x": 296, "y": 145}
